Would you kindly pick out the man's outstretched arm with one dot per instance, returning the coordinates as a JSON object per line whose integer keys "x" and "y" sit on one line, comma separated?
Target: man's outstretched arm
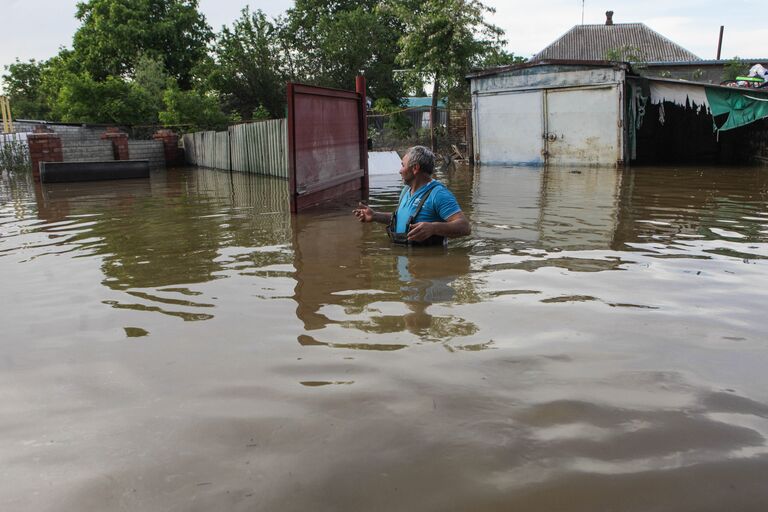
{"x": 365, "y": 213}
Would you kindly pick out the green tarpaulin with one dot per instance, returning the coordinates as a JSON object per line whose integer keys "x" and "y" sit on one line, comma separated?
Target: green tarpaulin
{"x": 742, "y": 106}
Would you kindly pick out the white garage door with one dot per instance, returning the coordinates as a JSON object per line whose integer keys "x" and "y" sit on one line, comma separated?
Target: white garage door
{"x": 583, "y": 126}
{"x": 508, "y": 128}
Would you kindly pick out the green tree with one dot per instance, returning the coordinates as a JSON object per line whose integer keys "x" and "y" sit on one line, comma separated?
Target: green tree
{"x": 194, "y": 110}
{"x": 396, "y": 121}
{"x": 496, "y": 57}
{"x": 248, "y": 68}
{"x": 22, "y": 84}
{"x": 115, "y": 34}
{"x": 330, "y": 42}
{"x": 112, "y": 101}
{"x": 628, "y": 53}
{"x": 442, "y": 39}
{"x": 733, "y": 68}
{"x": 151, "y": 80}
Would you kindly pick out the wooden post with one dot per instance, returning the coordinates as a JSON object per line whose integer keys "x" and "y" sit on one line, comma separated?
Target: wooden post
{"x": 360, "y": 89}
{"x": 291, "y": 148}
{"x": 5, "y": 108}
{"x": 470, "y": 141}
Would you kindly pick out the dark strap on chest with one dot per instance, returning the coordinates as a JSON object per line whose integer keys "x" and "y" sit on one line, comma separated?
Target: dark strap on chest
{"x": 402, "y": 238}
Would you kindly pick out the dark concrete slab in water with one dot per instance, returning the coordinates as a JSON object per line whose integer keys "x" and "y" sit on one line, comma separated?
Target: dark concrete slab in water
{"x": 60, "y": 172}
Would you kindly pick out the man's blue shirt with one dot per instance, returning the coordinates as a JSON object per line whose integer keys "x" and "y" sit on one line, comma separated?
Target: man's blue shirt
{"x": 440, "y": 205}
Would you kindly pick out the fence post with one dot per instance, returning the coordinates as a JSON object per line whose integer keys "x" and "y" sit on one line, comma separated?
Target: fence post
{"x": 119, "y": 140}
{"x": 171, "y": 148}
{"x": 44, "y": 146}
{"x": 360, "y": 89}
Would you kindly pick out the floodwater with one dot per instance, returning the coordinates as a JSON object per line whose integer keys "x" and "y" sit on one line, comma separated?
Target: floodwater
{"x": 183, "y": 344}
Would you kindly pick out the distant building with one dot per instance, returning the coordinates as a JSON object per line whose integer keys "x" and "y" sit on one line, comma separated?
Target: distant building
{"x": 578, "y": 103}
{"x": 659, "y": 55}
{"x": 418, "y": 111}
{"x": 598, "y": 42}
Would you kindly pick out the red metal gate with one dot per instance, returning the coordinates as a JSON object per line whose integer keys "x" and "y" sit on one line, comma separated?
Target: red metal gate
{"x": 327, "y": 143}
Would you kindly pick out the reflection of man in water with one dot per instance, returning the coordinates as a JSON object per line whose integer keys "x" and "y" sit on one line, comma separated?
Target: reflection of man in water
{"x": 427, "y": 278}
{"x": 427, "y": 213}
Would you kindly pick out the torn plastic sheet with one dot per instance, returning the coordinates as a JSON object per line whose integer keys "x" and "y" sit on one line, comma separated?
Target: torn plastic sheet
{"x": 740, "y": 107}
{"x": 679, "y": 94}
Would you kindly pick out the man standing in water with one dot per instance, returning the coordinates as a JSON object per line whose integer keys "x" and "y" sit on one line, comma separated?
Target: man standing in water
{"x": 427, "y": 213}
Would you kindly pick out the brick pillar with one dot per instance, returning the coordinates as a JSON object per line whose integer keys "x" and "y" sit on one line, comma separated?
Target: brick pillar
{"x": 44, "y": 146}
{"x": 119, "y": 142}
{"x": 173, "y": 153}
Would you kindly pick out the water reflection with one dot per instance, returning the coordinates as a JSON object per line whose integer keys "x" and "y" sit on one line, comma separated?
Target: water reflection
{"x": 357, "y": 290}
{"x": 158, "y": 238}
{"x": 599, "y": 341}
{"x": 550, "y": 208}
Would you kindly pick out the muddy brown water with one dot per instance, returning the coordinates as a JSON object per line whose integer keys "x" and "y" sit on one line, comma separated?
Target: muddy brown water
{"x": 183, "y": 344}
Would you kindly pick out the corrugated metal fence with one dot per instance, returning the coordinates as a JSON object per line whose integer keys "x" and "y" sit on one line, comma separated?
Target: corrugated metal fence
{"x": 259, "y": 148}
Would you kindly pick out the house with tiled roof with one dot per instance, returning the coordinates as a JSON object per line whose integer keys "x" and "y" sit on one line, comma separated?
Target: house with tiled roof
{"x": 598, "y": 42}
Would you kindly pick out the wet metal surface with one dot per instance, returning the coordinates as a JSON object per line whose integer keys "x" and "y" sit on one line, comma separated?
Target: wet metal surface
{"x": 183, "y": 343}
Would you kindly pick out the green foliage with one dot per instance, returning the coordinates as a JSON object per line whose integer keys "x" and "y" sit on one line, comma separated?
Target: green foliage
{"x": 151, "y": 80}
{"x": 443, "y": 39}
{"x": 496, "y": 57}
{"x": 397, "y": 122}
{"x": 627, "y": 53}
{"x": 83, "y": 99}
{"x": 147, "y": 61}
{"x": 733, "y": 68}
{"x": 260, "y": 114}
{"x": 115, "y": 34}
{"x": 330, "y": 42}
{"x": 248, "y": 72}
{"x": 14, "y": 156}
{"x": 192, "y": 109}
{"x": 22, "y": 84}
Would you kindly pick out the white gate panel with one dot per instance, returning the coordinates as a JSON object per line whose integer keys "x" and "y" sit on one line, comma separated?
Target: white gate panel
{"x": 584, "y": 126}
{"x": 508, "y": 128}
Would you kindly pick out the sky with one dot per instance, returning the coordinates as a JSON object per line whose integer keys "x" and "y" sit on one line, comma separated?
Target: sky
{"x": 35, "y": 29}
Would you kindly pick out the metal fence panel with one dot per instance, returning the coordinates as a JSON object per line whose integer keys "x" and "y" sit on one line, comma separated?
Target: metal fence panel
{"x": 258, "y": 148}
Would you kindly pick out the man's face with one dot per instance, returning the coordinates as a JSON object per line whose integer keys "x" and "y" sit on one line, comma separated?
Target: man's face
{"x": 406, "y": 171}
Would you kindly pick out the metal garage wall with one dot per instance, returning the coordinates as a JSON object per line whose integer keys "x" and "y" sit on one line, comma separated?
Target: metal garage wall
{"x": 559, "y": 113}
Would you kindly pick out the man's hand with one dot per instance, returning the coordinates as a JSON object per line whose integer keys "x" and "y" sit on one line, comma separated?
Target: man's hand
{"x": 455, "y": 225}
{"x": 363, "y": 212}
{"x": 421, "y": 231}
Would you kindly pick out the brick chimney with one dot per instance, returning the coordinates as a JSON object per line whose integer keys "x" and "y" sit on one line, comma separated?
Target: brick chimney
{"x": 609, "y": 17}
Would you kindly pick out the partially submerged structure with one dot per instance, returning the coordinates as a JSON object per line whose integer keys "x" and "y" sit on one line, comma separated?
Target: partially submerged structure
{"x": 577, "y": 103}
{"x": 602, "y": 113}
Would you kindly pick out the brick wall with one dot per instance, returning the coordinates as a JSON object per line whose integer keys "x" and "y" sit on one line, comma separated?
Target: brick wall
{"x": 68, "y": 143}
{"x": 44, "y": 146}
{"x": 174, "y": 155}
{"x": 119, "y": 140}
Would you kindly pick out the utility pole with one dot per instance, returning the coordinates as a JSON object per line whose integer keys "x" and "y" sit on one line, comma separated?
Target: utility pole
{"x": 720, "y": 42}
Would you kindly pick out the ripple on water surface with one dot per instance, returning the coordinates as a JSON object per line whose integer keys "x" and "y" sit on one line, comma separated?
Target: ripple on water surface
{"x": 598, "y": 341}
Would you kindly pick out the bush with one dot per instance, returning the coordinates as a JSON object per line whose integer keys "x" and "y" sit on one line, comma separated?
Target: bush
{"x": 14, "y": 156}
